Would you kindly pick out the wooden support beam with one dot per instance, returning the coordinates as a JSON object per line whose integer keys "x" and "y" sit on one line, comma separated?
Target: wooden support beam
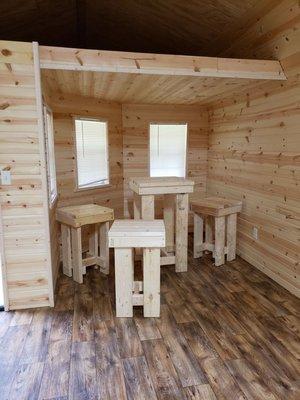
{"x": 157, "y": 64}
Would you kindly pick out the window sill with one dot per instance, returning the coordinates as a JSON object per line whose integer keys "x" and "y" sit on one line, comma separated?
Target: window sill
{"x": 108, "y": 185}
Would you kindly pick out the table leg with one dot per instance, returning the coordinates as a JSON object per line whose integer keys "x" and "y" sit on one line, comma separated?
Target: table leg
{"x": 77, "y": 255}
{"x": 147, "y": 207}
{"x": 198, "y": 235}
{"x": 124, "y": 282}
{"x": 66, "y": 249}
{"x": 219, "y": 241}
{"x": 104, "y": 249}
{"x": 231, "y": 236}
{"x": 181, "y": 232}
{"x": 151, "y": 282}
{"x": 169, "y": 218}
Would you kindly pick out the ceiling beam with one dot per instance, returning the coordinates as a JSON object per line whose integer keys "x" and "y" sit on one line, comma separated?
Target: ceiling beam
{"x": 157, "y": 64}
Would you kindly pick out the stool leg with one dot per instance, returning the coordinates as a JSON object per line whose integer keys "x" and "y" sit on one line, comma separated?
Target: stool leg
{"x": 209, "y": 229}
{"x": 77, "y": 255}
{"x": 104, "y": 249}
{"x": 169, "y": 217}
{"x": 181, "y": 232}
{"x": 198, "y": 235}
{"x": 231, "y": 236}
{"x": 66, "y": 249}
{"x": 124, "y": 282}
{"x": 151, "y": 282}
{"x": 137, "y": 215}
{"x": 219, "y": 241}
{"x": 93, "y": 241}
{"x": 136, "y": 206}
{"x": 147, "y": 207}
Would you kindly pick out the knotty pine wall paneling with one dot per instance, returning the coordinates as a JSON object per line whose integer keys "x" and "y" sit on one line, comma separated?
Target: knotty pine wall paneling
{"x": 136, "y": 119}
{"x": 64, "y": 107}
{"x": 254, "y": 150}
{"x": 24, "y": 203}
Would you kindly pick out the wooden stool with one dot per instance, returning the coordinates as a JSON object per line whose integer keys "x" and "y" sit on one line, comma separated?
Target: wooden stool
{"x": 124, "y": 236}
{"x": 175, "y": 191}
{"x": 72, "y": 218}
{"x": 222, "y": 213}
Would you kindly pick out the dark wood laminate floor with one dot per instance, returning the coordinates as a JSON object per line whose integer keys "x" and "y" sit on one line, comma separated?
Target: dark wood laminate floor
{"x": 224, "y": 333}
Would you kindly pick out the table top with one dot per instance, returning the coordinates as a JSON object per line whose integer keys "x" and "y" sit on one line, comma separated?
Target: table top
{"x": 216, "y": 206}
{"x": 84, "y": 214}
{"x": 137, "y": 233}
{"x": 161, "y": 185}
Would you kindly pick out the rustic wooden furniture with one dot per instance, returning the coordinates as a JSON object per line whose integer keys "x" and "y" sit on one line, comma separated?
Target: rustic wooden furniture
{"x": 222, "y": 213}
{"x": 72, "y": 218}
{"x": 175, "y": 191}
{"x": 124, "y": 236}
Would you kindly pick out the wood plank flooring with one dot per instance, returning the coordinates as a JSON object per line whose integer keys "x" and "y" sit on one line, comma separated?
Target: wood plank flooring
{"x": 224, "y": 333}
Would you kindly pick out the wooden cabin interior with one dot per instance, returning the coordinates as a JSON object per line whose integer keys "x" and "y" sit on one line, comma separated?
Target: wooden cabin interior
{"x": 209, "y": 318}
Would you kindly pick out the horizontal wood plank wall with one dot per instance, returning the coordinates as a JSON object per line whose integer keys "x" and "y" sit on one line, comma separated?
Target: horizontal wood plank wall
{"x": 64, "y": 107}
{"x": 254, "y": 150}
{"x": 55, "y": 242}
{"x": 136, "y": 120}
{"x": 23, "y": 202}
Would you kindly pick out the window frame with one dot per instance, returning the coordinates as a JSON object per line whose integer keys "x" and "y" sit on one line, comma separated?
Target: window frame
{"x": 88, "y": 118}
{"x": 51, "y": 198}
{"x": 187, "y": 142}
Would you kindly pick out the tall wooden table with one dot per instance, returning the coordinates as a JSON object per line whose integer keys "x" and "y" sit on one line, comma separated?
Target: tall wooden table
{"x": 175, "y": 191}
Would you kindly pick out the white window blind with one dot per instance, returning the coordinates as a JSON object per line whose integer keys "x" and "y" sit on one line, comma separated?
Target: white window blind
{"x": 50, "y": 155}
{"x": 168, "y": 149}
{"x": 91, "y": 153}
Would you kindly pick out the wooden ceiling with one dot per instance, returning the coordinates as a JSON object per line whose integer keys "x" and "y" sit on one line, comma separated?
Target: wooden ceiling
{"x": 195, "y": 27}
{"x": 146, "y": 89}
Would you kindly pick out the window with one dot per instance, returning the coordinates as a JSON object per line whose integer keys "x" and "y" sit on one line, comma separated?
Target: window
{"x": 168, "y": 149}
{"x": 50, "y": 155}
{"x": 91, "y": 153}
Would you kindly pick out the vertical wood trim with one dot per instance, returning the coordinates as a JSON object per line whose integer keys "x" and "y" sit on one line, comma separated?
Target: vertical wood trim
{"x": 41, "y": 131}
{"x": 3, "y": 265}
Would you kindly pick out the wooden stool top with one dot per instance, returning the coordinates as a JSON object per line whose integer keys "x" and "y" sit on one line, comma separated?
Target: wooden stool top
{"x": 216, "y": 206}
{"x": 161, "y": 185}
{"x": 84, "y": 214}
{"x": 128, "y": 233}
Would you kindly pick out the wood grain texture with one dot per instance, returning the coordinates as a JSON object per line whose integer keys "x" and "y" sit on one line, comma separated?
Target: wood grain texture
{"x": 64, "y": 107}
{"x": 241, "y": 341}
{"x": 24, "y": 202}
{"x": 254, "y": 150}
{"x": 136, "y": 120}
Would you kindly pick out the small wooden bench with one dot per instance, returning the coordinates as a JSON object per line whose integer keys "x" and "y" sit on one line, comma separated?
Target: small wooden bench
{"x": 124, "y": 236}
{"x": 72, "y": 218}
{"x": 220, "y": 216}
